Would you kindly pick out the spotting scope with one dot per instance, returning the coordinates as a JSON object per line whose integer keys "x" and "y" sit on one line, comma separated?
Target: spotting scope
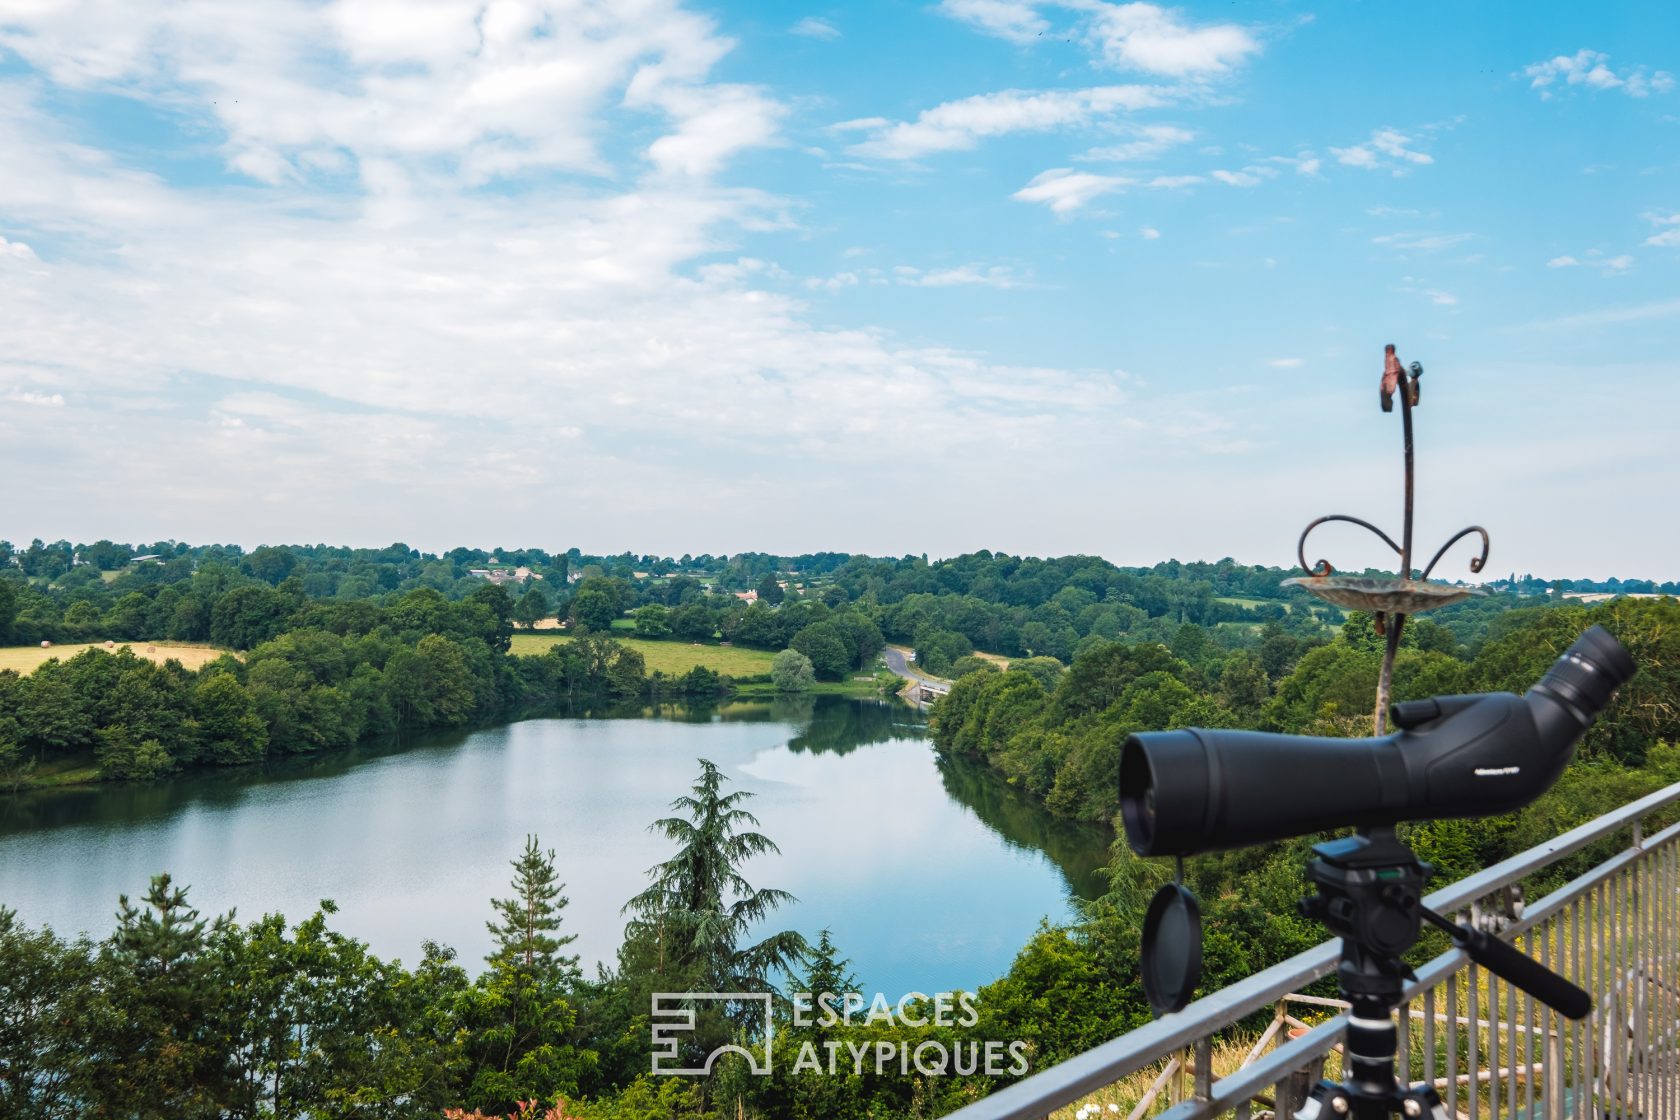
{"x": 1199, "y": 790}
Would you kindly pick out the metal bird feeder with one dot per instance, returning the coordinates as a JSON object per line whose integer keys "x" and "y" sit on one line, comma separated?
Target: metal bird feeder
{"x": 1390, "y": 601}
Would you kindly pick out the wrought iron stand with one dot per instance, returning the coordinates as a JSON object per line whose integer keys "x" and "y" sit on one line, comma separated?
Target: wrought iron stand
{"x": 1390, "y": 601}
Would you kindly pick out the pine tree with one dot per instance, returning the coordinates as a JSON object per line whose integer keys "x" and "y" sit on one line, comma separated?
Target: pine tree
{"x": 160, "y": 1053}
{"x": 699, "y": 907}
{"x": 826, "y": 970}
{"x": 521, "y": 1027}
{"x": 526, "y": 936}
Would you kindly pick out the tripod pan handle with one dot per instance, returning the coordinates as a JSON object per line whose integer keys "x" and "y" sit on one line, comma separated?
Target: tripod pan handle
{"x": 1518, "y": 968}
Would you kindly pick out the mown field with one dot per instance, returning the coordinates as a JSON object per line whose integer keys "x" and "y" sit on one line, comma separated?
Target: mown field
{"x": 26, "y": 659}
{"x": 670, "y": 658}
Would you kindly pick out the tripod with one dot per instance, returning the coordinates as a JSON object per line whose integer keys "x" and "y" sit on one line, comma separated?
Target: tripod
{"x": 1370, "y": 894}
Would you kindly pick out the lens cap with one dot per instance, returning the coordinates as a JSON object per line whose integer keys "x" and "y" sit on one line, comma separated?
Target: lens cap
{"x": 1172, "y": 949}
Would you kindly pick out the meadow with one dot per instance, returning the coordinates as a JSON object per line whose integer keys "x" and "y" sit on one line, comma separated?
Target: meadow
{"x": 673, "y": 658}
{"x": 26, "y": 659}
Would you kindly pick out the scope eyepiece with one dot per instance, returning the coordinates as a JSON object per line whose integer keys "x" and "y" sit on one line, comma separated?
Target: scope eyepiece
{"x": 1588, "y": 674}
{"x": 1201, "y": 790}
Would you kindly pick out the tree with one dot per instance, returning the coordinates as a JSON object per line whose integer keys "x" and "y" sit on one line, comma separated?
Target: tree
{"x": 825, "y": 645}
{"x": 530, "y": 919}
{"x": 694, "y": 622}
{"x": 790, "y": 671}
{"x": 699, "y": 908}
{"x": 532, "y": 608}
{"x": 232, "y": 730}
{"x": 652, "y": 621}
{"x": 770, "y": 591}
{"x": 518, "y": 1017}
{"x": 160, "y": 1054}
{"x": 248, "y": 616}
{"x": 494, "y": 599}
{"x": 45, "y": 986}
{"x": 594, "y": 609}
{"x": 8, "y": 609}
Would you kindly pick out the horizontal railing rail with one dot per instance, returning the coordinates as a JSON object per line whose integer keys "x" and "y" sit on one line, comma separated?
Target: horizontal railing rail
{"x": 1648, "y": 978}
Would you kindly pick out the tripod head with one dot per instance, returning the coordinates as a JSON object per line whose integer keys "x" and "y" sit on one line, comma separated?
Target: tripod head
{"x": 1370, "y": 894}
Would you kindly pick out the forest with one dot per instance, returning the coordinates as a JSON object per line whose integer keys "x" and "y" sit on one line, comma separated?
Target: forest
{"x": 183, "y": 1014}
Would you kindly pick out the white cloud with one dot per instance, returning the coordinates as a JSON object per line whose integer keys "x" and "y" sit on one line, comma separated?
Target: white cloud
{"x": 44, "y": 400}
{"x": 1141, "y": 36}
{"x": 968, "y": 275}
{"x": 1664, "y": 237}
{"x": 1014, "y": 20}
{"x": 1442, "y": 299}
{"x": 1146, "y": 142}
{"x": 395, "y": 92}
{"x": 374, "y": 345}
{"x": 1065, "y": 190}
{"x": 1592, "y": 69}
{"x": 16, "y": 250}
{"x": 1170, "y": 182}
{"x": 1286, "y": 363}
{"x": 1149, "y": 233}
{"x": 961, "y": 125}
{"x": 1421, "y": 242}
{"x": 1595, "y": 258}
{"x": 834, "y": 283}
{"x": 812, "y": 27}
{"x": 1385, "y": 149}
{"x": 1237, "y": 178}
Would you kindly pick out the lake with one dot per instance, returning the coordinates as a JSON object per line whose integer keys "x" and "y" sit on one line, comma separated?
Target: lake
{"x": 931, "y": 874}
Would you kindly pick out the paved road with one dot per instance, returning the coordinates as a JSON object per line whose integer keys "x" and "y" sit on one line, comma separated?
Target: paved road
{"x": 898, "y": 660}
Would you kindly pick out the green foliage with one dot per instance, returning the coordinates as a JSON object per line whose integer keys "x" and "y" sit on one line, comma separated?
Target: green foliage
{"x": 652, "y": 621}
{"x": 963, "y": 666}
{"x": 698, "y": 909}
{"x": 938, "y": 650}
{"x": 791, "y": 671}
{"x": 826, "y": 646}
{"x": 519, "y": 1021}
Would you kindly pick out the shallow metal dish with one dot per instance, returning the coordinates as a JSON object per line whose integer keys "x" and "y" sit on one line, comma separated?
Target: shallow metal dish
{"x": 1391, "y": 596}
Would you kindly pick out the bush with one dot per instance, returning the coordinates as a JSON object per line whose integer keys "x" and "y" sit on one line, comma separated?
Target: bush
{"x": 791, "y": 671}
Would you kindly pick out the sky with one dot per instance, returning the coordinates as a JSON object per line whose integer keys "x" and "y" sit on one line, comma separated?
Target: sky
{"x": 1041, "y": 277}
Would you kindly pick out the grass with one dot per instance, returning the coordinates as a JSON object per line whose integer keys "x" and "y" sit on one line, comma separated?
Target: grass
{"x": 1240, "y": 601}
{"x": 26, "y": 659}
{"x": 671, "y": 658}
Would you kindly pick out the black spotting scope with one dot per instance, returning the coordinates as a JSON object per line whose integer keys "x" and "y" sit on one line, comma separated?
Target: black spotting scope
{"x": 1199, "y": 790}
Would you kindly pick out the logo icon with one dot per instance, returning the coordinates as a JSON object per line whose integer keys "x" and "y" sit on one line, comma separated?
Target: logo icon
{"x": 674, "y": 1014}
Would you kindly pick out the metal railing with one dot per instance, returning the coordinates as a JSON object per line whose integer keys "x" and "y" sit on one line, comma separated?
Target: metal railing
{"x": 1491, "y": 1051}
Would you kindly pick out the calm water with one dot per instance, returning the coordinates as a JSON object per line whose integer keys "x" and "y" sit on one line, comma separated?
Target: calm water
{"x": 930, "y": 875}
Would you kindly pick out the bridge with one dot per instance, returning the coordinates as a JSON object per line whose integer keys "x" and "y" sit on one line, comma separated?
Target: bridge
{"x": 919, "y": 686}
{"x": 928, "y": 689}
{"x": 1491, "y": 1051}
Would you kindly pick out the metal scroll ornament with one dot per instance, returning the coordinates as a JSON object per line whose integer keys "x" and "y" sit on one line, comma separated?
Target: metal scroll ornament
{"x": 1390, "y": 601}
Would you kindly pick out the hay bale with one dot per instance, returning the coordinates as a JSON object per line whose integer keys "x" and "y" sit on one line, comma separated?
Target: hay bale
{"x": 46, "y": 645}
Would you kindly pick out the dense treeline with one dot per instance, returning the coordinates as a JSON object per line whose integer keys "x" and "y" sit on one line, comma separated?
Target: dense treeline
{"x": 1062, "y": 743}
{"x": 1016, "y": 606}
{"x": 346, "y": 644}
{"x": 319, "y": 676}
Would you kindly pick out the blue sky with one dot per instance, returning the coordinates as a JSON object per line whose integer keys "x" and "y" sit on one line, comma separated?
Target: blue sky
{"x": 890, "y": 277}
